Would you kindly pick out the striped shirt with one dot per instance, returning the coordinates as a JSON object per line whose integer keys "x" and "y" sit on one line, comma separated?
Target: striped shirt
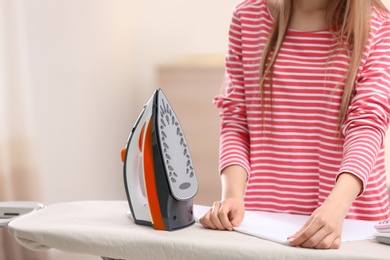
{"x": 294, "y": 158}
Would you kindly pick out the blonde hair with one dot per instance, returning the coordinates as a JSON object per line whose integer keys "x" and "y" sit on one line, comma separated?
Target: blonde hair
{"x": 350, "y": 20}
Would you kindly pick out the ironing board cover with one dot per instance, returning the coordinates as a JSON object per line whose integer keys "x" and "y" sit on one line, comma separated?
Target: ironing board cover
{"x": 102, "y": 228}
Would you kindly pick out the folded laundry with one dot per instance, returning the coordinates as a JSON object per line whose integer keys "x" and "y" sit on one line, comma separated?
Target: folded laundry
{"x": 383, "y": 231}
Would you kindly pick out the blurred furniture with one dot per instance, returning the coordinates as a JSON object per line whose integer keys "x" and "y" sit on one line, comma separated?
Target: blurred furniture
{"x": 190, "y": 85}
{"x": 101, "y": 228}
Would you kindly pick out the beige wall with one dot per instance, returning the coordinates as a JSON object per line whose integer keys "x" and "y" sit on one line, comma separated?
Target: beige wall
{"x": 80, "y": 55}
{"x": 93, "y": 65}
{"x": 168, "y": 30}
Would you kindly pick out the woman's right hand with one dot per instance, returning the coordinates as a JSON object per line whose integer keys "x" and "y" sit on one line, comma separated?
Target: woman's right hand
{"x": 224, "y": 215}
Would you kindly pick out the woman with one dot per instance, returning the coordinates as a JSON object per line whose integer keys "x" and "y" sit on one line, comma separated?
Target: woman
{"x": 304, "y": 116}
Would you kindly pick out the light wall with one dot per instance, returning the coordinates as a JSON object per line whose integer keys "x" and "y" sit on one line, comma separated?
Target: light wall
{"x": 168, "y": 30}
{"x": 80, "y": 55}
{"x": 92, "y": 67}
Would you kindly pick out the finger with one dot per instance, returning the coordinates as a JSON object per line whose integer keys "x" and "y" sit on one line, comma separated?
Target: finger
{"x": 331, "y": 238}
{"x": 224, "y": 218}
{"x": 303, "y": 228}
{"x": 327, "y": 237}
{"x": 231, "y": 218}
{"x": 206, "y": 222}
{"x": 313, "y": 226}
{"x": 322, "y": 239}
{"x": 215, "y": 217}
{"x": 329, "y": 242}
{"x": 336, "y": 243}
{"x": 236, "y": 218}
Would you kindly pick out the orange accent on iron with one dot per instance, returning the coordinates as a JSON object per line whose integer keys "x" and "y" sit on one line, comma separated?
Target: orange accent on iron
{"x": 150, "y": 181}
{"x": 123, "y": 155}
{"x": 141, "y": 137}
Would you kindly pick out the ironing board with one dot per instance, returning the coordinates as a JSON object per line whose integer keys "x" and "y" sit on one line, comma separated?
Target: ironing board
{"x": 10, "y": 210}
{"x": 101, "y": 228}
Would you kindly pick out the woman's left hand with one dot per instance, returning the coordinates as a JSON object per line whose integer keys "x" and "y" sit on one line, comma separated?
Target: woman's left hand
{"x": 322, "y": 230}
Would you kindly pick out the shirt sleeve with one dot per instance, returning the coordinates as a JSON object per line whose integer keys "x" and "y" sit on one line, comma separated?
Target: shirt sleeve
{"x": 369, "y": 112}
{"x": 234, "y": 139}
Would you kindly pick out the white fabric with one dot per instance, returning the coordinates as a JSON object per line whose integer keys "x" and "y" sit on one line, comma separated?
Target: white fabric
{"x": 278, "y": 226}
{"x": 102, "y": 228}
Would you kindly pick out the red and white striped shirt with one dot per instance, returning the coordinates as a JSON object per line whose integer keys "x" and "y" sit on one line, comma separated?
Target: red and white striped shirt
{"x": 294, "y": 159}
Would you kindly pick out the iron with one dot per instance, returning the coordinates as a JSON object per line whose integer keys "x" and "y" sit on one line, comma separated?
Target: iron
{"x": 158, "y": 170}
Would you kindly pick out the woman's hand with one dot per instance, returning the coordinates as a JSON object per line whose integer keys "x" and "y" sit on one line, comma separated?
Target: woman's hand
{"x": 229, "y": 212}
{"x": 323, "y": 229}
{"x": 224, "y": 215}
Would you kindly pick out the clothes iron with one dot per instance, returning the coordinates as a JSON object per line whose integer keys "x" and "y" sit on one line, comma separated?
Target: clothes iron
{"x": 158, "y": 171}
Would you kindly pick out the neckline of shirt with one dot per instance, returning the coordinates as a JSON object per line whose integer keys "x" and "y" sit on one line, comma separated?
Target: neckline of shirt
{"x": 292, "y": 31}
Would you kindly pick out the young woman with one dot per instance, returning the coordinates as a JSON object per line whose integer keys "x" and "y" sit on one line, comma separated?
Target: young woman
{"x": 304, "y": 115}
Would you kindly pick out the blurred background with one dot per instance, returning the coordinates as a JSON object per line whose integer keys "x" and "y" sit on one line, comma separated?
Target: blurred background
{"x": 74, "y": 76}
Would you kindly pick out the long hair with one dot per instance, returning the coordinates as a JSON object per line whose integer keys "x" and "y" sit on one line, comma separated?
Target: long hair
{"x": 349, "y": 20}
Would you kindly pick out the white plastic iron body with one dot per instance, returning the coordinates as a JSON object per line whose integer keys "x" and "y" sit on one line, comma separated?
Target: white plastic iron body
{"x": 159, "y": 174}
